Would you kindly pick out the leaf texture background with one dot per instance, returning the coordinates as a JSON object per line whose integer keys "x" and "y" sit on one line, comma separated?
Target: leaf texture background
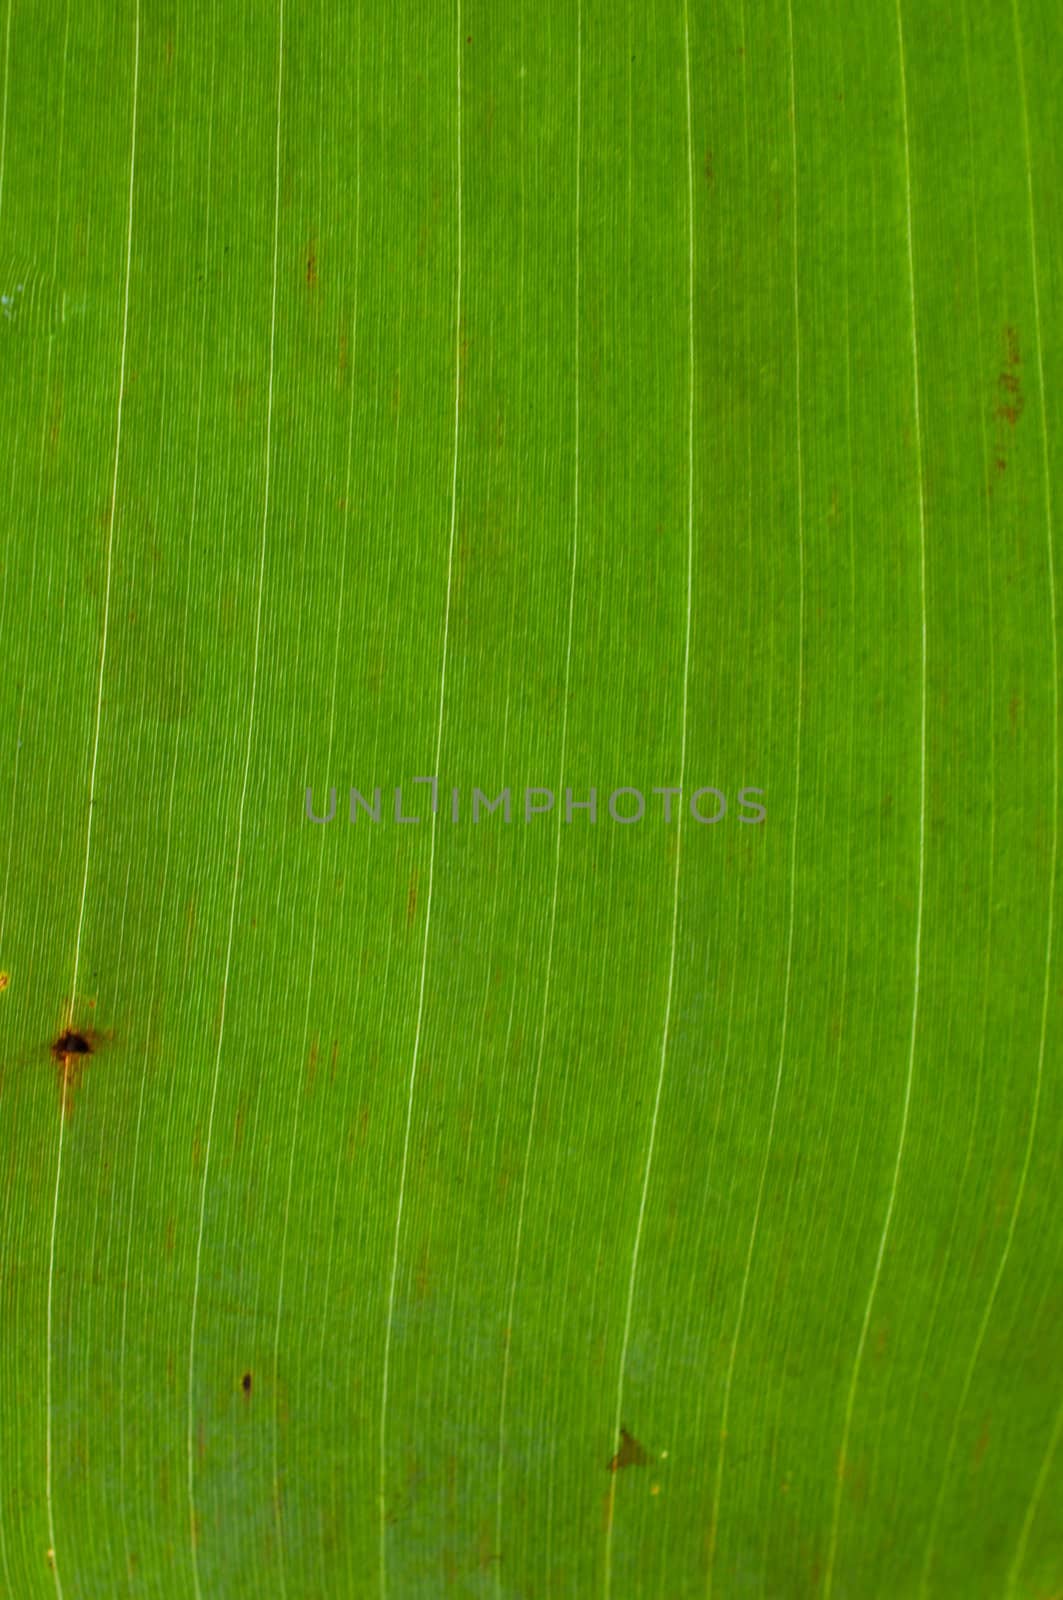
{"x": 588, "y": 395}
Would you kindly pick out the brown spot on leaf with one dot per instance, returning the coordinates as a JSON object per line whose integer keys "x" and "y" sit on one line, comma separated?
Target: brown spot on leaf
{"x": 311, "y": 265}
{"x": 422, "y": 1278}
{"x": 486, "y": 1552}
{"x": 54, "y": 421}
{"x": 630, "y": 1454}
{"x": 1010, "y": 402}
{"x": 70, "y": 1052}
{"x": 245, "y": 1383}
{"x": 854, "y": 1475}
{"x": 71, "y": 1043}
{"x": 981, "y": 1445}
{"x": 5, "y": 979}
{"x": 358, "y": 1133}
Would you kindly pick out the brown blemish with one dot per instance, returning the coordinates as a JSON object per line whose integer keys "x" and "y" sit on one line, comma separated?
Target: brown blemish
{"x": 55, "y": 421}
{"x": 70, "y": 1052}
{"x": 981, "y": 1446}
{"x": 855, "y": 1477}
{"x": 422, "y": 1278}
{"x": 630, "y": 1454}
{"x": 1010, "y": 401}
{"x": 710, "y": 176}
{"x": 5, "y": 979}
{"x": 311, "y": 265}
{"x": 486, "y": 1552}
{"x": 245, "y": 1383}
{"x": 71, "y": 1043}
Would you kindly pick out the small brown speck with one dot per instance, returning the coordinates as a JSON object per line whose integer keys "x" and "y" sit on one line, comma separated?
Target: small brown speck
{"x": 630, "y": 1454}
{"x": 70, "y": 1052}
{"x": 5, "y": 979}
{"x": 245, "y": 1383}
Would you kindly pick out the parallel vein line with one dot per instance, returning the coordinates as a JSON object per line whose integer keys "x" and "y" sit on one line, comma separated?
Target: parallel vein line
{"x": 1042, "y": 1477}
{"x": 747, "y": 1270}
{"x": 48, "y": 1452}
{"x": 190, "y": 1444}
{"x": 909, "y": 1075}
{"x": 667, "y": 1024}
{"x": 533, "y": 1110}
{"x": 388, "y": 1330}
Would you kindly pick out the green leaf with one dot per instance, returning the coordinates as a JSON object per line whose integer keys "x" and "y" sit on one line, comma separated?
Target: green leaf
{"x": 656, "y": 403}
